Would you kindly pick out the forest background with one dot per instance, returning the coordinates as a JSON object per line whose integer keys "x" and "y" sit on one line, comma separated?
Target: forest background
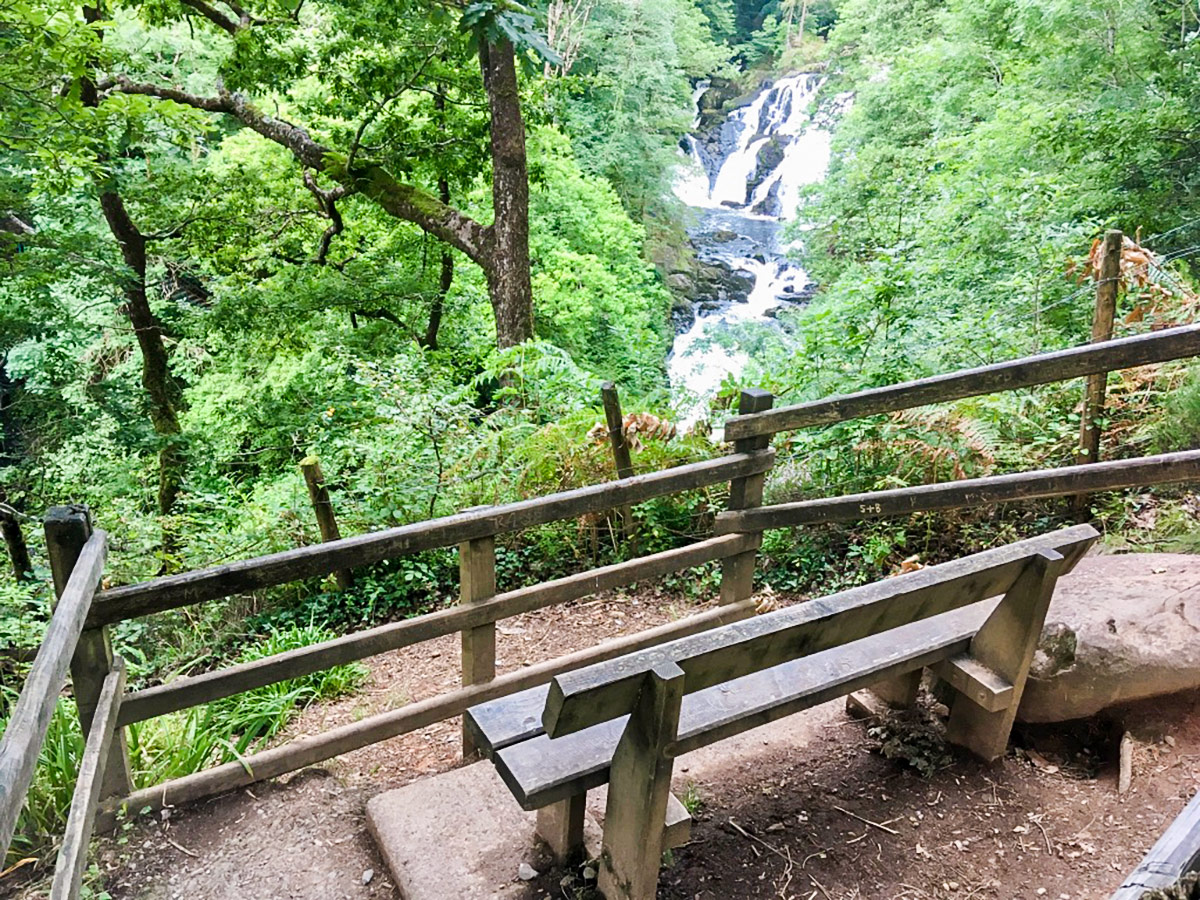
{"x": 411, "y": 239}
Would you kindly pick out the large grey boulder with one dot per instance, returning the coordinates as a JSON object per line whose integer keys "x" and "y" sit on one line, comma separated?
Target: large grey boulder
{"x": 1120, "y": 628}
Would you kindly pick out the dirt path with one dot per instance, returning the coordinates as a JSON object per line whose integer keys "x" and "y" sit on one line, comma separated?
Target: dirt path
{"x": 786, "y": 822}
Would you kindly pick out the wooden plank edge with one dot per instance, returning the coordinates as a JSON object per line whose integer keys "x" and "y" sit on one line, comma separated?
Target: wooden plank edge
{"x": 72, "y": 856}
{"x": 306, "y": 751}
{"x": 1173, "y": 855}
{"x": 1165, "y": 468}
{"x": 830, "y": 691}
{"x": 188, "y": 588}
{"x": 26, "y": 730}
{"x": 1063, "y": 365}
{"x": 209, "y": 686}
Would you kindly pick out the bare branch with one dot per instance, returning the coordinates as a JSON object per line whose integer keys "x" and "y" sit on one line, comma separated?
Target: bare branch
{"x": 327, "y": 201}
{"x": 384, "y": 101}
{"x": 214, "y": 15}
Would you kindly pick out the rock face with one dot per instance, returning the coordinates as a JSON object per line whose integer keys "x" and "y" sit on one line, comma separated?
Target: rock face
{"x": 1120, "y": 628}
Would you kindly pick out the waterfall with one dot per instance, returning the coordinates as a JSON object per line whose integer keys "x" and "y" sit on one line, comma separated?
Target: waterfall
{"x": 744, "y": 181}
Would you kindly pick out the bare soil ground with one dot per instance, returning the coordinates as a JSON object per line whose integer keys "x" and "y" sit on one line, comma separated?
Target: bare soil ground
{"x": 835, "y": 819}
{"x": 827, "y": 819}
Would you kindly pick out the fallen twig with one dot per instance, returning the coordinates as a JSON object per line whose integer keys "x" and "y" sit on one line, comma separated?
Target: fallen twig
{"x": 29, "y": 860}
{"x": 878, "y": 825}
{"x": 744, "y": 833}
{"x": 178, "y": 846}
{"x": 1125, "y": 774}
{"x": 1041, "y": 828}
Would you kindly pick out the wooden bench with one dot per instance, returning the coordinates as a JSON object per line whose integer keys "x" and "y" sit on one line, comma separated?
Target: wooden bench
{"x": 623, "y": 722}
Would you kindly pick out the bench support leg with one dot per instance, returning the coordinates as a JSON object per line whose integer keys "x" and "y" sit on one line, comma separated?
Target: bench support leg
{"x": 899, "y": 692}
{"x": 638, "y": 788}
{"x": 560, "y": 825}
{"x": 1005, "y": 644}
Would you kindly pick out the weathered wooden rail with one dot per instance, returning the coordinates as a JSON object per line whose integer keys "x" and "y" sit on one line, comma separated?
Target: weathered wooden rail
{"x": 77, "y": 637}
{"x": 1173, "y": 855}
{"x": 1109, "y": 356}
{"x": 1165, "y": 468}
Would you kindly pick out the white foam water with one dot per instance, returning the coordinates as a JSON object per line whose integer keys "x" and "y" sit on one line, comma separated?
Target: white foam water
{"x": 700, "y": 361}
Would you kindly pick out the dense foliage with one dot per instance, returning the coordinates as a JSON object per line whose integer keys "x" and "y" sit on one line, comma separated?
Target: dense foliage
{"x": 412, "y": 239}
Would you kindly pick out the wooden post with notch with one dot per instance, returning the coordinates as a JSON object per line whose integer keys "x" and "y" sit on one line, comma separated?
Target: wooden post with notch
{"x": 477, "y": 584}
{"x": 318, "y": 493}
{"x": 620, "y": 450}
{"x": 1004, "y": 646}
{"x": 67, "y": 529}
{"x": 639, "y": 788}
{"x": 737, "y": 572}
{"x": 14, "y": 540}
{"x": 1103, "y": 317}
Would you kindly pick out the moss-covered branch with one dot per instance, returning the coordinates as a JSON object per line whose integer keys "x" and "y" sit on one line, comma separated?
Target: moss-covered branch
{"x": 404, "y": 201}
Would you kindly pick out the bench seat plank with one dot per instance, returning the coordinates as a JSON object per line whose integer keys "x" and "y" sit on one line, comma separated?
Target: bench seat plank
{"x": 539, "y": 770}
{"x": 505, "y": 721}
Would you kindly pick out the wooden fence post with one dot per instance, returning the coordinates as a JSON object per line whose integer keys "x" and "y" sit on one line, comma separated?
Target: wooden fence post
{"x": 318, "y": 493}
{"x": 620, "y": 450}
{"x": 14, "y": 539}
{"x": 477, "y": 583}
{"x": 1102, "y": 330}
{"x": 67, "y": 529}
{"x": 737, "y": 572}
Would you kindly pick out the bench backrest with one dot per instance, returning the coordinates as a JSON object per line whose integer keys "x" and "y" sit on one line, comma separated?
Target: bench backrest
{"x": 608, "y": 690}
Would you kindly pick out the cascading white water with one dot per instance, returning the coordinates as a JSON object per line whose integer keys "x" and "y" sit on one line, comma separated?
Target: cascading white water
{"x": 740, "y": 215}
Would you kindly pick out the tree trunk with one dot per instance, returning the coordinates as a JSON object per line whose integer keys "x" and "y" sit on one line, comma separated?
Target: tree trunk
{"x": 162, "y": 392}
{"x": 445, "y": 280}
{"x": 14, "y": 540}
{"x": 509, "y": 285}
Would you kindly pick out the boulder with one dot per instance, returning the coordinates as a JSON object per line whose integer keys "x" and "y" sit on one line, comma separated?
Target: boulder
{"x": 721, "y": 282}
{"x": 681, "y": 283}
{"x": 1120, "y": 628}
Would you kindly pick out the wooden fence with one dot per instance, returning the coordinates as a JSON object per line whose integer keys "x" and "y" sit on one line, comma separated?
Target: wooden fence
{"x": 77, "y": 637}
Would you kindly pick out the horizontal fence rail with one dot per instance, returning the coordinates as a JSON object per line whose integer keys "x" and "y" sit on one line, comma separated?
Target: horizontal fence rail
{"x": 185, "y": 692}
{"x": 308, "y": 751}
{"x": 31, "y": 715}
{"x": 1167, "y": 468}
{"x": 175, "y": 591}
{"x": 1125, "y": 353}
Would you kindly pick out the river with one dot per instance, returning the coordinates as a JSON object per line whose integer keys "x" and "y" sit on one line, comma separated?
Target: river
{"x": 742, "y": 181}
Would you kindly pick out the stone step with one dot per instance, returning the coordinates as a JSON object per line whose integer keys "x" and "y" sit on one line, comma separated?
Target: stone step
{"x": 462, "y": 834}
